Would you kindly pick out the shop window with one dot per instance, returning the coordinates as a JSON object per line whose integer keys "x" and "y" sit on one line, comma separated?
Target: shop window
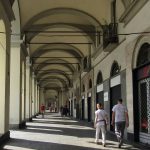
{"x": 99, "y": 78}
{"x": 115, "y": 69}
{"x": 144, "y": 55}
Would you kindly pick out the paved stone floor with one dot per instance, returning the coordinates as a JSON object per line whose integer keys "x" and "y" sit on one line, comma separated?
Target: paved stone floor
{"x": 56, "y": 133}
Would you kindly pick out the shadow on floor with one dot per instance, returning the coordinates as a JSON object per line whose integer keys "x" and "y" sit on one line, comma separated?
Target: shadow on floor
{"x": 82, "y": 133}
{"x": 71, "y": 128}
{"x": 44, "y": 145}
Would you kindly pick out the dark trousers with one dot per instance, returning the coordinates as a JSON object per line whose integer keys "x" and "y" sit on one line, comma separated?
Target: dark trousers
{"x": 119, "y": 131}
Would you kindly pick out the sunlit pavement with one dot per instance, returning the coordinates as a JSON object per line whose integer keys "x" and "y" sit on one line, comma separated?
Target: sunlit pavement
{"x": 56, "y": 133}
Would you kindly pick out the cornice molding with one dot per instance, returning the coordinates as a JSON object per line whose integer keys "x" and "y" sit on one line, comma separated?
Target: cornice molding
{"x": 16, "y": 43}
{"x": 24, "y": 49}
{"x": 132, "y": 10}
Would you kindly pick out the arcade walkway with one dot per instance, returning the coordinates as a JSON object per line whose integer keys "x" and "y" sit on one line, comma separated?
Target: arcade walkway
{"x": 56, "y": 133}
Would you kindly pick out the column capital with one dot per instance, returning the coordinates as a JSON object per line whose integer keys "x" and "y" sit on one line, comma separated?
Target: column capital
{"x": 16, "y": 43}
{"x": 28, "y": 63}
{"x": 33, "y": 74}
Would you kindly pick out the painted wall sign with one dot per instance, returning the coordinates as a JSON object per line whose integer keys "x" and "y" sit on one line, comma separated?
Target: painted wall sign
{"x": 100, "y": 88}
{"x": 89, "y": 95}
{"x": 105, "y": 96}
{"x": 115, "y": 81}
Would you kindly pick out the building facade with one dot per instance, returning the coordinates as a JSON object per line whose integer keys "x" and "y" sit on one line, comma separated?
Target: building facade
{"x": 75, "y": 54}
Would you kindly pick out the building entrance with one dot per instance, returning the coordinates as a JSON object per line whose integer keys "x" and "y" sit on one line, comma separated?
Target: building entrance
{"x": 82, "y": 115}
{"x": 89, "y": 109}
{"x": 100, "y": 98}
{"x": 115, "y": 94}
{"x": 71, "y": 107}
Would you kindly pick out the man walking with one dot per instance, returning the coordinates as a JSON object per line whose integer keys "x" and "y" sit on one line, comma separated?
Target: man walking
{"x": 101, "y": 120}
{"x": 120, "y": 119}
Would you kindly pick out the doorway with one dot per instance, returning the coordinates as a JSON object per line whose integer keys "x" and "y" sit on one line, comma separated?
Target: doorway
{"x": 100, "y": 98}
{"x": 71, "y": 107}
{"x": 82, "y": 114}
{"x": 115, "y": 94}
{"x": 89, "y": 109}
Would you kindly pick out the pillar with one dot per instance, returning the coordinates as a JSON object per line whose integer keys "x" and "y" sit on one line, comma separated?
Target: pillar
{"x": 38, "y": 98}
{"x": 33, "y": 95}
{"x": 22, "y": 91}
{"x": 41, "y": 94}
{"x": 27, "y": 115}
{"x": 30, "y": 94}
{"x": 15, "y": 113}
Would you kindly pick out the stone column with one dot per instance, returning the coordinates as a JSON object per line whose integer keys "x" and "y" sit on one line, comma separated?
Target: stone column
{"x": 30, "y": 94}
{"x": 38, "y": 98}
{"x": 33, "y": 95}
{"x": 22, "y": 91}
{"x": 15, "y": 78}
{"x": 41, "y": 100}
{"x": 27, "y": 115}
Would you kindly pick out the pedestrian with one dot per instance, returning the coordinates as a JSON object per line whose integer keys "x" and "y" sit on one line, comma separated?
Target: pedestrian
{"x": 42, "y": 110}
{"x": 120, "y": 119}
{"x": 101, "y": 121}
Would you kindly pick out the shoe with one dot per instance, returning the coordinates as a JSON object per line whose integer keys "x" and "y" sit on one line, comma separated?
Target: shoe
{"x": 104, "y": 145}
{"x": 119, "y": 145}
{"x": 96, "y": 142}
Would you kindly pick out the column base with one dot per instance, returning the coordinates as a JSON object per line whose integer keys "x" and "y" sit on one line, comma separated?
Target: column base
{"x": 27, "y": 119}
{"x": 13, "y": 126}
{"x": 35, "y": 115}
{"x": 22, "y": 125}
{"x": 30, "y": 119}
{"x": 4, "y": 137}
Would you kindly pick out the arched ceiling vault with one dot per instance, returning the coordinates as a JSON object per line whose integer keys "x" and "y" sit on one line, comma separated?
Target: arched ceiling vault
{"x": 52, "y": 79}
{"x": 63, "y": 47}
{"x": 54, "y": 61}
{"x": 51, "y": 72}
{"x": 64, "y": 15}
{"x": 46, "y": 29}
{"x": 59, "y": 34}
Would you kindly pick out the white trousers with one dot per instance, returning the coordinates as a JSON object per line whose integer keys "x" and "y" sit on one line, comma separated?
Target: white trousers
{"x": 103, "y": 132}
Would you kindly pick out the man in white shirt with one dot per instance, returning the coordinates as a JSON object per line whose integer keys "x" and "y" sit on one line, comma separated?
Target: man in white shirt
{"x": 101, "y": 120}
{"x": 121, "y": 119}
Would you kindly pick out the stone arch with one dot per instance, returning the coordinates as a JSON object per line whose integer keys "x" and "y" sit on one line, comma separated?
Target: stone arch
{"x": 115, "y": 69}
{"x": 43, "y": 64}
{"x": 64, "y": 47}
{"x": 45, "y": 13}
{"x": 141, "y": 40}
{"x": 41, "y": 82}
{"x": 82, "y": 29}
{"x": 52, "y": 71}
{"x": 144, "y": 55}
{"x": 99, "y": 78}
